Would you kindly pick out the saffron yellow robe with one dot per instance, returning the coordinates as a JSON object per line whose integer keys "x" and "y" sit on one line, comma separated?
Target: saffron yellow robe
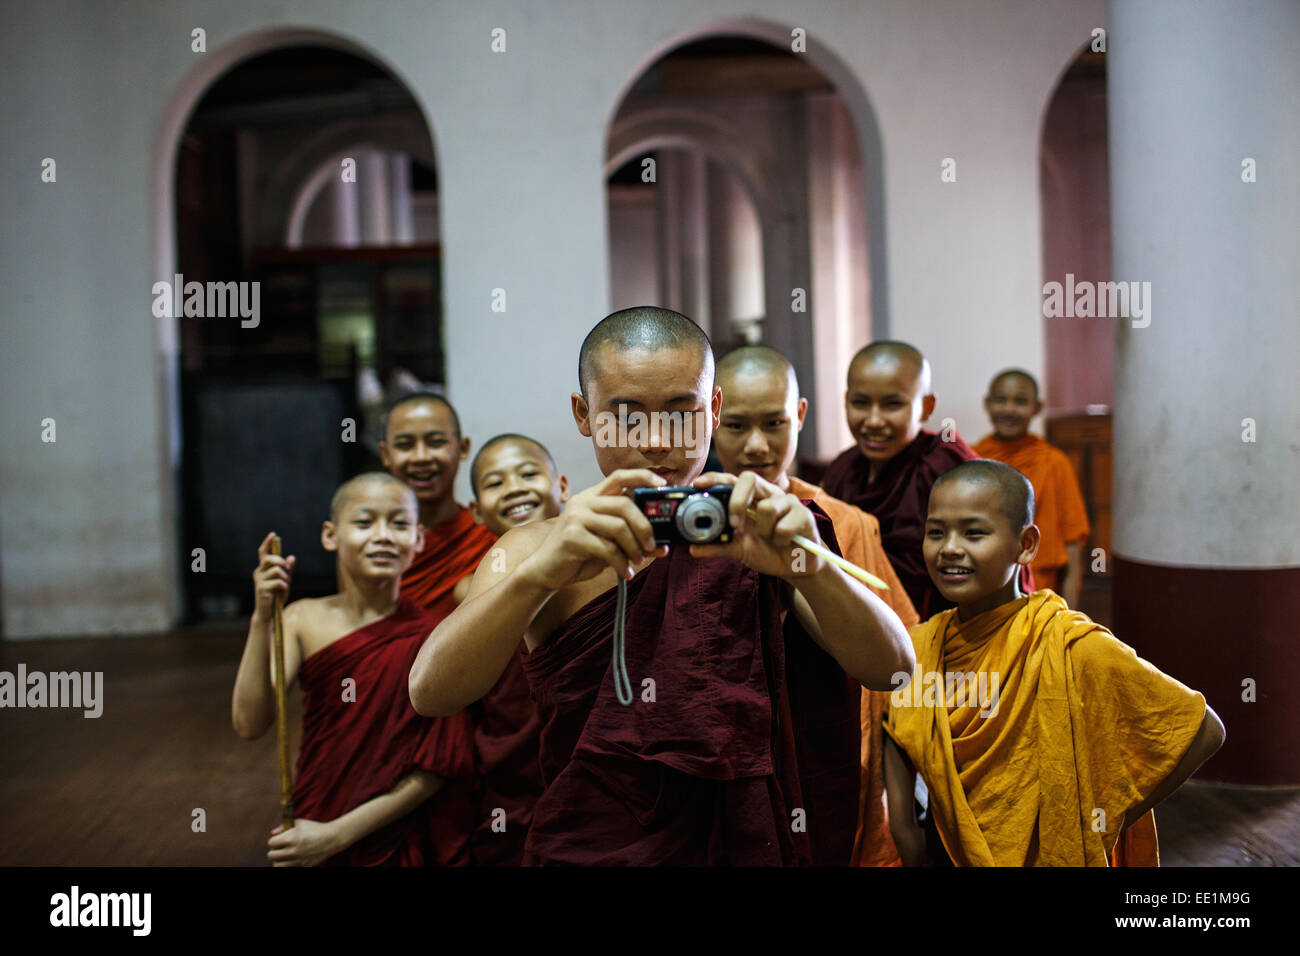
{"x": 1084, "y": 731}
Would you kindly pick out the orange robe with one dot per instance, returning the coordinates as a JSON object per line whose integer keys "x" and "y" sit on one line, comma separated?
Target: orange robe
{"x": 1041, "y": 770}
{"x": 1058, "y": 504}
{"x": 858, "y": 534}
{"x": 452, "y": 549}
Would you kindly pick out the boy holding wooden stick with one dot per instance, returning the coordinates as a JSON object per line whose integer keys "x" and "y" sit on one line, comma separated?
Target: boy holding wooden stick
{"x": 376, "y": 783}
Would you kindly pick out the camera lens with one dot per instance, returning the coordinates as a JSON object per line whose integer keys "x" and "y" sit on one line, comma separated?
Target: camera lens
{"x": 700, "y": 519}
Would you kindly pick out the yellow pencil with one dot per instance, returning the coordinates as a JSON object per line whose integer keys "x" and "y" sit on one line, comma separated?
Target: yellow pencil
{"x": 866, "y": 577}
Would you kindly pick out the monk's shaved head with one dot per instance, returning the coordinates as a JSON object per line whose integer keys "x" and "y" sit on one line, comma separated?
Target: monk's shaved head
{"x": 756, "y": 360}
{"x": 898, "y": 354}
{"x": 1015, "y": 493}
{"x": 1014, "y": 373}
{"x": 356, "y": 488}
{"x": 508, "y": 437}
{"x": 647, "y": 328}
{"x": 412, "y": 398}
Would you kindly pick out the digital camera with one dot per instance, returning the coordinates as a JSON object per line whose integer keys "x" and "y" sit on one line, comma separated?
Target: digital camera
{"x": 683, "y": 515}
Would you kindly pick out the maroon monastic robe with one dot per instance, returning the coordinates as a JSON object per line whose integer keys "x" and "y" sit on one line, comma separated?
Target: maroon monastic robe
{"x": 506, "y": 724}
{"x": 506, "y": 732}
{"x": 899, "y": 498}
{"x": 355, "y": 750}
{"x": 746, "y": 755}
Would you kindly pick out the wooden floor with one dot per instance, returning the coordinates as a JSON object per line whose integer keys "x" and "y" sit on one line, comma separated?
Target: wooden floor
{"x": 122, "y": 789}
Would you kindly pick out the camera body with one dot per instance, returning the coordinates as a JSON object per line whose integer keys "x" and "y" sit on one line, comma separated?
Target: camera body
{"x": 685, "y": 515}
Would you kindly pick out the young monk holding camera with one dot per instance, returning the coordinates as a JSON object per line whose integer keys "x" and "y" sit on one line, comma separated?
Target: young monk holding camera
{"x": 700, "y": 768}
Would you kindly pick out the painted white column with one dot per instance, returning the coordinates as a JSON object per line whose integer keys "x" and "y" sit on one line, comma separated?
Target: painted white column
{"x": 346, "y": 208}
{"x": 399, "y": 199}
{"x": 787, "y": 262}
{"x": 668, "y": 211}
{"x": 827, "y": 306}
{"x": 372, "y": 178}
{"x": 694, "y": 221}
{"x": 1203, "y": 165}
{"x": 719, "y": 252}
{"x": 1195, "y": 92}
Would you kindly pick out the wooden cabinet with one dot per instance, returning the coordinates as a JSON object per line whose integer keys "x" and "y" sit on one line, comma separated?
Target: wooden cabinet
{"x": 1086, "y": 441}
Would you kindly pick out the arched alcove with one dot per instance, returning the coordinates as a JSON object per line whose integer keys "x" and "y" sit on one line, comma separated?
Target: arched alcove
{"x": 1079, "y": 352}
{"x": 263, "y": 130}
{"x": 733, "y": 96}
{"x": 1074, "y": 187}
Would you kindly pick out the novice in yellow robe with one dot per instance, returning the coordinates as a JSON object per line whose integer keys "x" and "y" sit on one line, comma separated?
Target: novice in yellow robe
{"x": 1040, "y": 737}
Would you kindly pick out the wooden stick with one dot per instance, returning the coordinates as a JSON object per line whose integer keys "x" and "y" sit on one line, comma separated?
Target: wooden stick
{"x": 282, "y": 708}
{"x": 866, "y": 577}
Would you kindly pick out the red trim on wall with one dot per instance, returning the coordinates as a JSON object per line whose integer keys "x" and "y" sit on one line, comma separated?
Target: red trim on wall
{"x": 1212, "y": 629}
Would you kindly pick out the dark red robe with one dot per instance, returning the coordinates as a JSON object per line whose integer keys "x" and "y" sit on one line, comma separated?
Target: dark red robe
{"x": 507, "y": 729}
{"x": 899, "y": 499}
{"x": 710, "y": 771}
{"x": 355, "y": 750}
{"x": 506, "y": 725}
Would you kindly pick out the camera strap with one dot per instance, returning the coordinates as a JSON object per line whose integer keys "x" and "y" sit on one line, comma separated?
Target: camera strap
{"x": 622, "y": 685}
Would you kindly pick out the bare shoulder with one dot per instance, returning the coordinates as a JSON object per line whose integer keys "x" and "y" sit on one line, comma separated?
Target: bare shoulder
{"x": 310, "y": 620}
{"x": 506, "y": 555}
{"x": 524, "y": 539}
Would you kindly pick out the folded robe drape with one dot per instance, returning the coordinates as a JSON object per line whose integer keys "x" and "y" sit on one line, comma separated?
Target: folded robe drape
{"x": 507, "y": 734}
{"x": 741, "y": 746}
{"x": 452, "y": 549}
{"x": 1083, "y": 731}
{"x": 359, "y": 739}
{"x": 506, "y": 725}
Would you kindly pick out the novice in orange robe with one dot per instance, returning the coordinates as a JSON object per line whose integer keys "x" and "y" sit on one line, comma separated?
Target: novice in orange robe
{"x": 1062, "y": 520}
{"x": 762, "y": 415}
{"x": 1039, "y": 736}
{"x": 423, "y": 447}
{"x": 701, "y": 765}
{"x": 888, "y": 473}
{"x": 377, "y": 784}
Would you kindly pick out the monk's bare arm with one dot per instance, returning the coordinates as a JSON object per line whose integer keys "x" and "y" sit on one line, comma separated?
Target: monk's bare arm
{"x": 311, "y": 842}
{"x": 461, "y": 591}
{"x": 600, "y": 528}
{"x": 469, "y": 650}
{"x": 252, "y": 703}
{"x": 900, "y": 787}
{"x": 411, "y": 791}
{"x": 854, "y": 626}
{"x": 1072, "y": 578}
{"x": 1209, "y": 738}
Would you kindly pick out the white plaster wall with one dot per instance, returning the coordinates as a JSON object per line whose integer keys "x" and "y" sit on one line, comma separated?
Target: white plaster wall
{"x": 87, "y": 524}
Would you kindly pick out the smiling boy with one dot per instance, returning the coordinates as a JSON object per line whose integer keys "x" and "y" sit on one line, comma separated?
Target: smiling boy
{"x": 890, "y": 470}
{"x": 515, "y": 483}
{"x": 1012, "y": 402}
{"x": 376, "y": 783}
{"x": 1085, "y": 737}
{"x": 424, "y": 448}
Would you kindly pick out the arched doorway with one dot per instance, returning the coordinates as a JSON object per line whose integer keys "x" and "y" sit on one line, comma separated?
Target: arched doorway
{"x": 1079, "y": 352}
{"x": 735, "y": 128}
{"x": 302, "y": 177}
